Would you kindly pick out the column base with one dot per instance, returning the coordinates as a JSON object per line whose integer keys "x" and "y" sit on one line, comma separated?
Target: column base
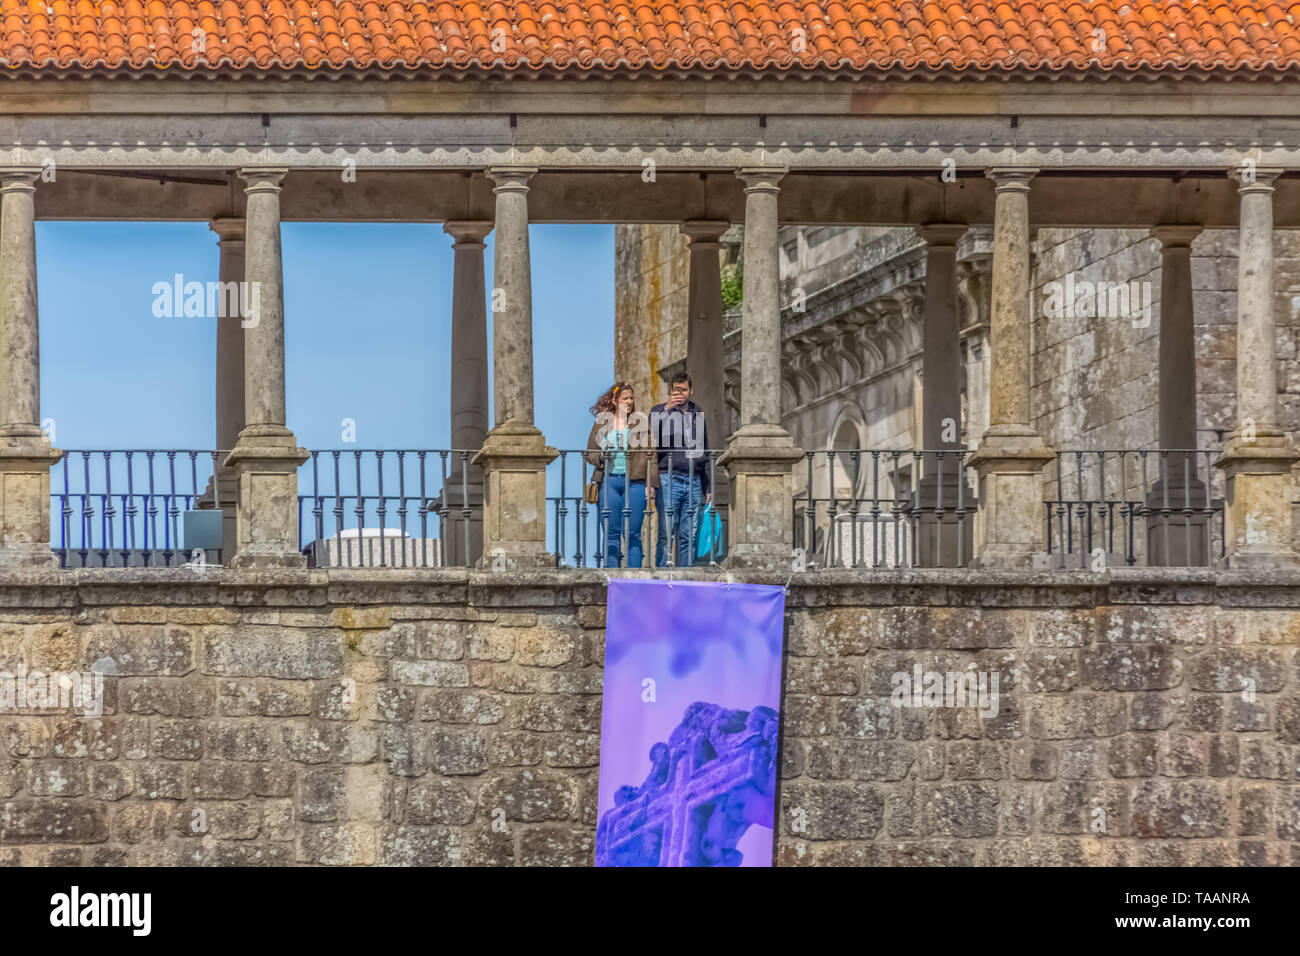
{"x": 1176, "y": 539}
{"x": 760, "y": 462}
{"x": 25, "y": 462}
{"x": 513, "y": 458}
{"x": 1257, "y": 503}
{"x": 265, "y": 462}
{"x": 456, "y": 553}
{"x": 946, "y": 541}
{"x": 1009, "y": 519}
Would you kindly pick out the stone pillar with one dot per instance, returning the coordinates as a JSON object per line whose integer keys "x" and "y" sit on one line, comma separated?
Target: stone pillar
{"x": 704, "y": 355}
{"x": 514, "y": 454}
{"x": 1009, "y": 523}
{"x": 760, "y": 456}
{"x": 463, "y": 536}
{"x": 1257, "y": 459}
{"x": 230, "y": 383}
{"x": 974, "y": 264}
{"x": 944, "y": 538}
{"x": 1173, "y": 537}
{"x": 266, "y": 455}
{"x": 25, "y": 452}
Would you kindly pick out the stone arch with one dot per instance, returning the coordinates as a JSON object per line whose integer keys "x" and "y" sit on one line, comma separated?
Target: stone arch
{"x": 848, "y": 433}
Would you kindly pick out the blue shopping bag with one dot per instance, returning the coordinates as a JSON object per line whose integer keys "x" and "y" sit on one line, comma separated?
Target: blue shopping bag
{"x": 710, "y": 531}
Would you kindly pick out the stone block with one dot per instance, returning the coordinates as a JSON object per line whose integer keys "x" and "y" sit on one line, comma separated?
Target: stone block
{"x": 176, "y": 739}
{"x": 529, "y": 796}
{"x": 142, "y": 649}
{"x": 470, "y": 707}
{"x": 978, "y": 760}
{"x": 431, "y": 673}
{"x": 221, "y": 781}
{"x": 310, "y": 743}
{"x": 1180, "y": 808}
{"x": 557, "y": 846}
{"x": 435, "y": 800}
{"x": 1076, "y": 715}
{"x": 961, "y": 810}
{"x": 1184, "y": 755}
{"x": 837, "y": 678}
{"x": 545, "y": 647}
{"x": 239, "y": 740}
{"x": 420, "y": 846}
{"x": 1224, "y": 669}
{"x": 834, "y": 811}
{"x": 1126, "y": 667}
{"x": 458, "y": 752}
{"x": 299, "y": 653}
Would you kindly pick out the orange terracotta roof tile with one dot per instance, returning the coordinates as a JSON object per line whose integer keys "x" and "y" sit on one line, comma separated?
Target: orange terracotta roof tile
{"x": 1206, "y": 37}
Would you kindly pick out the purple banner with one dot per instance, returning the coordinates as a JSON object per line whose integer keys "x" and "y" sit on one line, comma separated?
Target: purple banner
{"x": 688, "y": 746}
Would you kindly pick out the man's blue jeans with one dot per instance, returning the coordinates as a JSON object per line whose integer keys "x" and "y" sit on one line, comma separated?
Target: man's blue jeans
{"x": 616, "y": 492}
{"x": 680, "y": 500}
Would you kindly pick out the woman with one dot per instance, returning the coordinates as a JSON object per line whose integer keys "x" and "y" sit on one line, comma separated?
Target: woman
{"x": 613, "y": 446}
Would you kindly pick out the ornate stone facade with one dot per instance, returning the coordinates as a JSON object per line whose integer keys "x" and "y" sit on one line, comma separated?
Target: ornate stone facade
{"x": 853, "y": 328}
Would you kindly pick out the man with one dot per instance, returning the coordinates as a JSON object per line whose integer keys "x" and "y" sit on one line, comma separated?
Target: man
{"x": 678, "y": 473}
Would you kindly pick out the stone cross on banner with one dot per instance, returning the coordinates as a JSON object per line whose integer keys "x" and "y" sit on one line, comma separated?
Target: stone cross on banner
{"x": 714, "y": 779}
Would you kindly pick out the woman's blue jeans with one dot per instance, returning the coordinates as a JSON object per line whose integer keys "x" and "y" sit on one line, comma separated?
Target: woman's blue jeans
{"x": 616, "y": 495}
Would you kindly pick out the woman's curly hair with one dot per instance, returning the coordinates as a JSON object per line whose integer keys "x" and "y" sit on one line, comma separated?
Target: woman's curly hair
{"x": 608, "y": 402}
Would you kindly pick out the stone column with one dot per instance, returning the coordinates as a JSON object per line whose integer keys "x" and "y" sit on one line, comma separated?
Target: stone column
{"x": 230, "y": 383}
{"x": 514, "y": 454}
{"x": 1010, "y": 459}
{"x": 25, "y": 452}
{"x": 760, "y": 456}
{"x": 1172, "y": 537}
{"x": 944, "y": 537}
{"x": 974, "y": 264}
{"x": 266, "y": 455}
{"x": 704, "y": 356}
{"x": 1258, "y": 457}
{"x": 463, "y": 536}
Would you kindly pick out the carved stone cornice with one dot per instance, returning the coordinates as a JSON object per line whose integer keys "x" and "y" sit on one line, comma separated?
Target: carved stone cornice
{"x": 866, "y": 326}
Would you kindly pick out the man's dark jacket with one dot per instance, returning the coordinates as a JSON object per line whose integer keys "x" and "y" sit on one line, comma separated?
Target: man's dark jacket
{"x": 677, "y": 447}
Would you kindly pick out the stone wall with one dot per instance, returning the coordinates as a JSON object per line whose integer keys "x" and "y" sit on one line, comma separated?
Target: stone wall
{"x": 449, "y": 718}
{"x": 651, "y": 298}
{"x": 1095, "y": 380}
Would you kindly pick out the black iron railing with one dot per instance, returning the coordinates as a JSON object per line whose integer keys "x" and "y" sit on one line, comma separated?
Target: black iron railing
{"x": 600, "y": 533}
{"x": 372, "y": 508}
{"x": 133, "y": 508}
{"x": 1156, "y": 508}
{"x": 896, "y": 508}
{"x": 883, "y": 508}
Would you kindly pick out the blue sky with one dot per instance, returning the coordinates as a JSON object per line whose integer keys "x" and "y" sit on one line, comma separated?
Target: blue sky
{"x": 368, "y": 333}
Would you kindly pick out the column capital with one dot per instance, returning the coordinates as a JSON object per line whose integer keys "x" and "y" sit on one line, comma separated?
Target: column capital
{"x": 229, "y": 229}
{"x": 762, "y": 179}
{"x": 19, "y": 178}
{"x": 1175, "y": 237}
{"x": 1011, "y": 178}
{"x": 1254, "y": 179}
{"x": 511, "y": 178}
{"x": 468, "y": 233}
{"x": 704, "y": 232}
{"x": 941, "y": 233}
{"x": 263, "y": 178}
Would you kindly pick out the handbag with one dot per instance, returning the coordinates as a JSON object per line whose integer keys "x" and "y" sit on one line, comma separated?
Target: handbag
{"x": 591, "y": 493}
{"x": 710, "y": 531}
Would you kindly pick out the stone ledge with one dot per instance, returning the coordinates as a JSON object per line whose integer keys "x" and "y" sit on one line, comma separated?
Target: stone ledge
{"x": 32, "y": 589}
